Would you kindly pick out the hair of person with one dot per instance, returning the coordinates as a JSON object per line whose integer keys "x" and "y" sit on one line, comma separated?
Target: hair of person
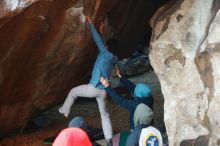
{"x": 113, "y": 46}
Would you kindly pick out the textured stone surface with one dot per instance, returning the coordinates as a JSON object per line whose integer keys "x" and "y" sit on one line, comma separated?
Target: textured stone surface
{"x": 46, "y": 49}
{"x": 12, "y": 7}
{"x": 185, "y": 56}
{"x": 44, "y": 52}
{"x": 200, "y": 141}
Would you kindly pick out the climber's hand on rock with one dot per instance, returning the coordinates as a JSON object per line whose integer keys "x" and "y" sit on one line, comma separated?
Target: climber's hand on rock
{"x": 88, "y": 19}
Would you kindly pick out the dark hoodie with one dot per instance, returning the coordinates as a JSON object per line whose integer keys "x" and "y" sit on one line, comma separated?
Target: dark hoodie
{"x": 130, "y": 105}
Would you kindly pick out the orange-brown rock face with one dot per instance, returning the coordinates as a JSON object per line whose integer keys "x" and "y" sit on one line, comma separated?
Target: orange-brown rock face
{"x": 46, "y": 49}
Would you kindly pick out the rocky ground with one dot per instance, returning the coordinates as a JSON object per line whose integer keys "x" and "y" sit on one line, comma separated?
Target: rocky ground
{"x": 54, "y": 122}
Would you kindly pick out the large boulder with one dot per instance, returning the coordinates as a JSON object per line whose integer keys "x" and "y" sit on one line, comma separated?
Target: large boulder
{"x": 134, "y": 66}
{"x": 12, "y": 7}
{"x": 46, "y": 49}
{"x": 185, "y": 56}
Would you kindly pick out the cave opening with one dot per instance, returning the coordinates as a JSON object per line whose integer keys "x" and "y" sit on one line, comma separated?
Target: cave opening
{"x": 131, "y": 21}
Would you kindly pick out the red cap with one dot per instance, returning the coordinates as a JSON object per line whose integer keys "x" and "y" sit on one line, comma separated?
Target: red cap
{"x": 72, "y": 137}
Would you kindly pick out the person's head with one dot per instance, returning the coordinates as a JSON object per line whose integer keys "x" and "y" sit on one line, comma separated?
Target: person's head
{"x": 78, "y": 122}
{"x": 72, "y": 137}
{"x": 142, "y": 90}
{"x": 143, "y": 115}
{"x": 112, "y": 45}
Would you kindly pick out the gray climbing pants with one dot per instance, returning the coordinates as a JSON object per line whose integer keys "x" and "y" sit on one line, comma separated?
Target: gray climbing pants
{"x": 89, "y": 91}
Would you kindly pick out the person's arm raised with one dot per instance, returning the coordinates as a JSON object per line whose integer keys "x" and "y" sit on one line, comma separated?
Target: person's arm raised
{"x": 128, "y": 84}
{"x": 95, "y": 35}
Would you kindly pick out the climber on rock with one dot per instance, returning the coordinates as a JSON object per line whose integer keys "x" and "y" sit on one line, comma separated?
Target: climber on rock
{"x": 104, "y": 63}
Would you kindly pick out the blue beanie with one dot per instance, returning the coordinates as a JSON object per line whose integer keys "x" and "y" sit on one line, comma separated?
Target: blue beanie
{"x": 78, "y": 122}
{"x": 142, "y": 90}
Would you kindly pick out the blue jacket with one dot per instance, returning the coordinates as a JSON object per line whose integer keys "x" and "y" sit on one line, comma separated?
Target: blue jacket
{"x": 130, "y": 105}
{"x": 105, "y": 60}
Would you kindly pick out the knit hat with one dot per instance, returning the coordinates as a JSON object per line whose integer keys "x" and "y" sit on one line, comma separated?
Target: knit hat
{"x": 72, "y": 137}
{"x": 142, "y": 90}
{"x": 78, "y": 122}
{"x": 143, "y": 115}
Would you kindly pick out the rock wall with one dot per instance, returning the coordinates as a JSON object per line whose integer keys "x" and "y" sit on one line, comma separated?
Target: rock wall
{"x": 46, "y": 49}
{"x": 11, "y": 7}
{"x": 185, "y": 54}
